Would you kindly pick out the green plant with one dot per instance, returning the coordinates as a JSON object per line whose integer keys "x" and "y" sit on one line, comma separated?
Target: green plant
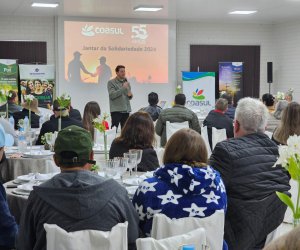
{"x": 95, "y": 168}
{"x": 99, "y": 124}
{"x": 289, "y": 158}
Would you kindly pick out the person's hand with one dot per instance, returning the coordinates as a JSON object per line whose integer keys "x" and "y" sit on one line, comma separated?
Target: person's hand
{"x": 126, "y": 85}
{"x": 129, "y": 94}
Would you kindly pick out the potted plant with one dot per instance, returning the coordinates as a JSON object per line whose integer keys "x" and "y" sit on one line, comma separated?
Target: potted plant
{"x": 289, "y": 158}
{"x": 4, "y": 95}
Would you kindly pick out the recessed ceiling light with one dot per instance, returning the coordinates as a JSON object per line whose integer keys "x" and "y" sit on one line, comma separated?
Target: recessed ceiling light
{"x": 45, "y": 5}
{"x": 242, "y": 12}
{"x": 147, "y": 8}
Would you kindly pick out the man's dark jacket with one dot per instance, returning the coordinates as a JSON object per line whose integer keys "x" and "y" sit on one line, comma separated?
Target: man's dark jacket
{"x": 254, "y": 211}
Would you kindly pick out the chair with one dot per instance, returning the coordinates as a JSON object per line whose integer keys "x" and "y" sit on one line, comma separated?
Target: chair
{"x": 196, "y": 237}
{"x": 160, "y": 155}
{"x": 164, "y": 227}
{"x": 218, "y": 135}
{"x": 58, "y": 238}
{"x": 172, "y": 128}
{"x": 204, "y": 135}
{"x": 9, "y": 139}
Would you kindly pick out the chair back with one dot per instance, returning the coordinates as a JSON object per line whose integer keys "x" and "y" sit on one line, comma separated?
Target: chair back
{"x": 172, "y": 128}
{"x": 58, "y": 238}
{"x": 204, "y": 135}
{"x": 164, "y": 227}
{"x": 196, "y": 237}
{"x": 217, "y": 135}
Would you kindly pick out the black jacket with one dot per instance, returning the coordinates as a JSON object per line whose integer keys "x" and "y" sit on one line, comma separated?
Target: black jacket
{"x": 75, "y": 114}
{"x": 149, "y": 160}
{"x": 246, "y": 167}
{"x": 218, "y": 121}
{"x": 35, "y": 119}
{"x": 52, "y": 126}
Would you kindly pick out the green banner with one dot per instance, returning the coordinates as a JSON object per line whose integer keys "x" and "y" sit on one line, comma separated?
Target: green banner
{"x": 8, "y": 75}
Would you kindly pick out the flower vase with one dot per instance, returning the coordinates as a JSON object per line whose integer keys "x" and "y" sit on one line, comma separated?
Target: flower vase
{"x": 296, "y": 222}
{"x": 105, "y": 145}
{"x": 7, "y": 110}
{"x": 59, "y": 121}
{"x": 29, "y": 125}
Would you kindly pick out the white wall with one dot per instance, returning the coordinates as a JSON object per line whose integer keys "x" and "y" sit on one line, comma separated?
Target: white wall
{"x": 225, "y": 34}
{"x": 30, "y": 28}
{"x": 279, "y": 43}
{"x": 286, "y": 37}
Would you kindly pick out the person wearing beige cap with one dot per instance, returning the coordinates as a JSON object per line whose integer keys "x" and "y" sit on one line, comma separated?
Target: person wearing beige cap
{"x": 35, "y": 119}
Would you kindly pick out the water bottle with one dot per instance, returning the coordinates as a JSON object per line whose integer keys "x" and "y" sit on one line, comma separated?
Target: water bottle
{"x": 12, "y": 122}
{"x": 22, "y": 143}
{"x": 26, "y": 123}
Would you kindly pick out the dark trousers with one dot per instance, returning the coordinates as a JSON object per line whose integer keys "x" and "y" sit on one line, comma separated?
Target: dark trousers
{"x": 118, "y": 118}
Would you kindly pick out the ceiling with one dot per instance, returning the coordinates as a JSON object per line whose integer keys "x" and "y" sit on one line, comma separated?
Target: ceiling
{"x": 269, "y": 11}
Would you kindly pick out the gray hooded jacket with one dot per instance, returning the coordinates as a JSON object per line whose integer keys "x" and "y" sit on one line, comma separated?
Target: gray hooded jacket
{"x": 76, "y": 200}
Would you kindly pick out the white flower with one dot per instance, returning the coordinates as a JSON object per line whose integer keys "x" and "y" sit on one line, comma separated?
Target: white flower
{"x": 178, "y": 86}
{"x": 97, "y": 120}
{"x": 29, "y": 98}
{"x": 290, "y": 150}
{"x": 280, "y": 95}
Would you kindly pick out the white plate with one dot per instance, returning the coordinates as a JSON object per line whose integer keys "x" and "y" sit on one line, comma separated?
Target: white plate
{"x": 20, "y": 192}
{"x": 133, "y": 181}
{"x": 38, "y": 154}
{"x": 35, "y": 177}
{"x": 28, "y": 187}
{"x": 131, "y": 190}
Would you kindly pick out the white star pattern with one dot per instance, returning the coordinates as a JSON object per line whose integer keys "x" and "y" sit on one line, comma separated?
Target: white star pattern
{"x": 188, "y": 167}
{"x": 147, "y": 187}
{"x": 213, "y": 185}
{"x": 175, "y": 176}
{"x": 139, "y": 210}
{"x": 169, "y": 197}
{"x": 211, "y": 198}
{"x": 222, "y": 186}
{"x": 194, "y": 210}
{"x": 209, "y": 173}
{"x": 151, "y": 212}
{"x": 193, "y": 184}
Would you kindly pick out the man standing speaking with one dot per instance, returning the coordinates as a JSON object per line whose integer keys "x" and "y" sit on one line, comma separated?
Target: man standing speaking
{"x": 120, "y": 94}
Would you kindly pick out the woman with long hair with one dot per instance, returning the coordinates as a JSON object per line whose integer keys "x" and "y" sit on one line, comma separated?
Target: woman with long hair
{"x": 289, "y": 124}
{"x": 185, "y": 186}
{"x": 91, "y": 111}
{"x": 137, "y": 133}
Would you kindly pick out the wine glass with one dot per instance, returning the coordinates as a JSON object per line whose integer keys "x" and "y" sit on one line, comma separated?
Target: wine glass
{"x": 49, "y": 139}
{"x": 122, "y": 166}
{"x": 30, "y": 136}
{"x": 132, "y": 159}
{"x": 139, "y": 153}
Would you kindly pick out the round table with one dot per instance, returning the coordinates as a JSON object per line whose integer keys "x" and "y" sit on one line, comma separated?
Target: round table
{"x": 22, "y": 166}
{"x": 17, "y": 202}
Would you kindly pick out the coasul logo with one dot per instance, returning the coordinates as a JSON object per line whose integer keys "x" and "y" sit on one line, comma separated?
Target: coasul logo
{"x": 198, "y": 94}
{"x": 90, "y": 30}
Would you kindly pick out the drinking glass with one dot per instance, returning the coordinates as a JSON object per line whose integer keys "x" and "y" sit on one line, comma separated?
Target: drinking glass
{"x": 30, "y": 136}
{"x": 122, "y": 166}
{"x": 139, "y": 153}
{"x": 49, "y": 139}
{"x": 111, "y": 167}
{"x": 132, "y": 159}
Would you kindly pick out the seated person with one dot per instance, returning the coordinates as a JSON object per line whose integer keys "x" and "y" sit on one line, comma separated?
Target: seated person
{"x": 153, "y": 109}
{"x": 35, "y": 119}
{"x": 269, "y": 101}
{"x": 8, "y": 129}
{"x": 279, "y": 107}
{"x": 186, "y": 186}
{"x": 137, "y": 133}
{"x": 178, "y": 113}
{"x": 217, "y": 119}
{"x": 8, "y": 226}
{"x": 289, "y": 124}
{"x": 76, "y": 199}
{"x": 13, "y": 106}
{"x": 231, "y": 109}
{"x": 246, "y": 166}
{"x": 75, "y": 114}
{"x": 52, "y": 124}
